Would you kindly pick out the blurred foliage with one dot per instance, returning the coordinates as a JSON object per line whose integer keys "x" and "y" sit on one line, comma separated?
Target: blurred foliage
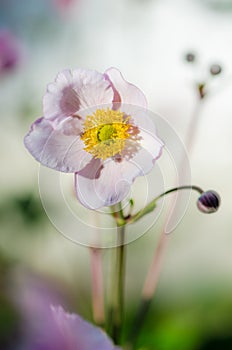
{"x": 221, "y": 5}
{"x": 217, "y": 343}
{"x": 9, "y": 318}
{"x": 204, "y": 323}
{"x": 9, "y": 324}
{"x": 25, "y": 209}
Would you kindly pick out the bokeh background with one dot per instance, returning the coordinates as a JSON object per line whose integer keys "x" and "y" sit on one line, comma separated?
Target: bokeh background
{"x": 147, "y": 40}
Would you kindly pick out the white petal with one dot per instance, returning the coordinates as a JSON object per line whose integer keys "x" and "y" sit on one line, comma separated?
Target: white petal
{"x": 151, "y": 144}
{"x": 74, "y": 91}
{"x": 151, "y": 149}
{"x": 109, "y": 188}
{"x": 127, "y": 93}
{"x": 57, "y": 148}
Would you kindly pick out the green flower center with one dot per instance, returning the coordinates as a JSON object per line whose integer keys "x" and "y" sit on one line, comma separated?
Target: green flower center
{"x": 106, "y": 132}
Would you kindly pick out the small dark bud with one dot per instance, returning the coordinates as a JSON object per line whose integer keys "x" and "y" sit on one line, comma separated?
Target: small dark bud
{"x": 208, "y": 202}
{"x": 215, "y": 69}
{"x": 190, "y": 57}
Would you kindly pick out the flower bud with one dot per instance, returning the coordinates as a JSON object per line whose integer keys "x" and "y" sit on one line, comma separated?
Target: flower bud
{"x": 190, "y": 57}
{"x": 208, "y": 202}
{"x": 215, "y": 69}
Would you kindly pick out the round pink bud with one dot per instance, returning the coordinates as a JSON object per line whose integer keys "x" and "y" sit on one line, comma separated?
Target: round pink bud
{"x": 208, "y": 202}
{"x": 215, "y": 69}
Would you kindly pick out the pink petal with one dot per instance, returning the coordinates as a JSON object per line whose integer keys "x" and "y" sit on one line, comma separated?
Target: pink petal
{"x": 140, "y": 118}
{"x": 57, "y": 148}
{"x": 144, "y": 160}
{"x": 92, "y": 170}
{"x": 74, "y": 91}
{"x": 49, "y": 327}
{"x": 150, "y": 144}
{"x": 125, "y": 92}
{"x": 151, "y": 149}
{"x": 110, "y": 187}
{"x": 106, "y": 190}
{"x": 80, "y": 334}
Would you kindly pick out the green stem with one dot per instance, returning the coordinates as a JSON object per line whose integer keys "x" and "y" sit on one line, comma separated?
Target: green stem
{"x": 120, "y": 282}
{"x": 151, "y": 206}
{"x": 116, "y": 313}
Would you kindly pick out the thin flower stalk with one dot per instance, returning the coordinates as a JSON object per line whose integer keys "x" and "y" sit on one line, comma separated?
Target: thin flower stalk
{"x": 116, "y": 307}
{"x": 195, "y": 120}
{"x": 97, "y": 286}
{"x": 152, "y": 277}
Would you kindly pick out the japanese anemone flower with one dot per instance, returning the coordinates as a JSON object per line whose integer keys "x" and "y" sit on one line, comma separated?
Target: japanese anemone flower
{"x": 95, "y": 126}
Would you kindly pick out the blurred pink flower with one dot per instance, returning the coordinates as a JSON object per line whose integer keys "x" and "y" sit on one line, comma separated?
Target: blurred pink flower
{"x": 63, "y": 5}
{"x": 58, "y": 330}
{"x": 76, "y": 333}
{"x": 47, "y": 327}
{"x": 9, "y": 51}
{"x": 96, "y": 126}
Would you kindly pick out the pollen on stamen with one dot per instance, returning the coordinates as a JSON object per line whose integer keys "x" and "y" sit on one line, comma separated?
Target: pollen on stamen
{"x": 110, "y": 133}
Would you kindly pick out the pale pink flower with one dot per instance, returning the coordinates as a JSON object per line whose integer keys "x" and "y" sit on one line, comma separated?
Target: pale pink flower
{"x": 59, "y": 330}
{"x": 63, "y": 5}
{"x": 48, "y": 327}
{"x": 77, "y": 333}
{"x": 96, "y": 126}
{"x": 9, "y": 51}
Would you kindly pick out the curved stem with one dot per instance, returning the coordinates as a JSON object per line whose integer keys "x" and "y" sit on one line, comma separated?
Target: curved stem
{"x": 151, "y": 206}
{"x": 187, "y": 187}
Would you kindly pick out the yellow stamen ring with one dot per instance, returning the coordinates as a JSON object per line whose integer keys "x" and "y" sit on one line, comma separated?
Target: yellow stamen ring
{"x": 106, "y": 132}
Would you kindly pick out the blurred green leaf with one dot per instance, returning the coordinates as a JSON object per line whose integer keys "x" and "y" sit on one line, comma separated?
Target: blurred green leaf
{"x": 25, "y": 209}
